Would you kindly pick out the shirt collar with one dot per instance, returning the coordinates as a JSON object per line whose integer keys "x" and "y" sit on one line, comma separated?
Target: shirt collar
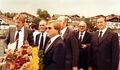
{"x": 63, "y": 30}
{"x": 53, "y": 38}
{"x": 82, "y": 33}
{"x": 21, "y": 30}
{"x": 103, "y": 30}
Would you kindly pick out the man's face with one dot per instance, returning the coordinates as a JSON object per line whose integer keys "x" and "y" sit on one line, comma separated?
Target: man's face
{"x": 19, "y": 24}
{"x": 50, "y": 30}
{"x": 42, "y": 26}
{"x": 101, "y": 24}
{"x": 82, "y": 26}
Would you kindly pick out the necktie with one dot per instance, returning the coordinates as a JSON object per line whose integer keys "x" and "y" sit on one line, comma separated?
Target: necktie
{"x": 17, "y": 38}
{"x": 17, "y": 35}
{"x": 48, "y": 44}
{"x": 80, "y": 39}
{"x": 100, "y": 36}
{"x": 41, "y": 42}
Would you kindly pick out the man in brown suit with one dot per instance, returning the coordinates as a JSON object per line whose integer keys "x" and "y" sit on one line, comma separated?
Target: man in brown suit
{"x": 72, "y": 49}
{"x": 105, "y": 47}
{"x": 19, "y": 33}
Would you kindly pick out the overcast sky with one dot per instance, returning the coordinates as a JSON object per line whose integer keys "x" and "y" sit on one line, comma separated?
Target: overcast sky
{"x": 70, "y": 7}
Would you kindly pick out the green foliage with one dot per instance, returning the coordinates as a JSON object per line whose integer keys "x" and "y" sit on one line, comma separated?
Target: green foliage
{"x": 41, "y": 55}
{"x": 90, "y": 24}
{"x": 36, "y": 20}
{"x": 10, "y": 15}
{"x": 43, "y": 14}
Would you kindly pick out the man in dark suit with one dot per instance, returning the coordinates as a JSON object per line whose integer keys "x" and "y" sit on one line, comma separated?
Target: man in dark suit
{"x": 42, "y": 38}
{"x": 72, "y": 49}
{"x": 105, "y": 47}
{"x": 20, "y": 33}
{"x": 83, "y": 38}
{"x": 54, "y": 57}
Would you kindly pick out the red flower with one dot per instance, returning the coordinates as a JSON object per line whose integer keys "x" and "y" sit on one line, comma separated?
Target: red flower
{"x": 24, "y": 52}
{"x": 22, "y": 60}
{"x": 25, "y": 46}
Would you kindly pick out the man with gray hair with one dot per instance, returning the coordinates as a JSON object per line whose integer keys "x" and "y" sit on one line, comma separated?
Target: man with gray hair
{"x": 72, "y": 50}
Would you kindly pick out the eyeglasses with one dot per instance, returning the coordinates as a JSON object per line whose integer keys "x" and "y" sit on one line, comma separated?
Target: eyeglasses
{"x": 41, "y": 25}
{"x": 82, "y": 26}
{"x": 49, "y": 28}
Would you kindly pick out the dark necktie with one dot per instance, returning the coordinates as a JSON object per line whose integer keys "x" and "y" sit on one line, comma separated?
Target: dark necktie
{"x": 41, "y": 42}
{"x": 80, "y": 39}
{"x": 100, "y": 36}
{"x": 17, "y": 38}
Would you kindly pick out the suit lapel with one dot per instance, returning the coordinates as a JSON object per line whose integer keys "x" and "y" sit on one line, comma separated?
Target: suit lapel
{"x": 84, "y": 37}
{"x": 25, "y": 34}
{"x": 96, "y": 38}
{"x": 52, "y": 45}
{"x": 104, "y": 36}
{"x": 37, "y": 39}
{"x": 13, "y": 34}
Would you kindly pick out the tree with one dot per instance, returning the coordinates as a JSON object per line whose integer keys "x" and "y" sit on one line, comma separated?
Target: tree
{"x": 43, "y": 14}
{"x": 10, "y": 15}
{"x": 90, "y": 24}
{"x": 36, "y": 20}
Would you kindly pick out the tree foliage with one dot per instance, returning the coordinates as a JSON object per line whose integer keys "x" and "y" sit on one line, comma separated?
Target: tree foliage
{"x": 10, "y": 15}
{"x": 43, "y": 14}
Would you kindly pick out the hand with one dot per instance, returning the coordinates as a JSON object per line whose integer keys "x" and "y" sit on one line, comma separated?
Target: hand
{"x": 74, "y": 68}
{"x": 83, "y": 45}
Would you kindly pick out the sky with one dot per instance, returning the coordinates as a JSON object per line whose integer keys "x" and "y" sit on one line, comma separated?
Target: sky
{"x": 86, "y": 8}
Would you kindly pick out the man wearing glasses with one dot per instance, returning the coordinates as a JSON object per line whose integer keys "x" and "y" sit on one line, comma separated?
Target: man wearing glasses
{"x": 54, "y": 58}
{"x": 83, "y": 38}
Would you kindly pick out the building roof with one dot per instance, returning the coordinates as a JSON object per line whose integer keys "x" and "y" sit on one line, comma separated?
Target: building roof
{"x": 7, "y": 20}
{"x": 114, "y": 19}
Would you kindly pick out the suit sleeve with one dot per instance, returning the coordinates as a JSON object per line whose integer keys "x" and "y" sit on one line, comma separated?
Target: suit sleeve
{"x": 115, "y": 51}
{"x": 30, "y": 38}
{"x": 75, "y": 50}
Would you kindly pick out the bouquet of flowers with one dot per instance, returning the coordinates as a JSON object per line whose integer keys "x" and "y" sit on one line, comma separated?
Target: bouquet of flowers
{"x": 17, "y": 58}
{"x": 25, "y": 58}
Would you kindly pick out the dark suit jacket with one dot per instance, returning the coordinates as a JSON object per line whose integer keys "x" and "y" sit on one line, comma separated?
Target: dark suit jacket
{"x": 54, "y": 57}
{"x": 105, "y": 54}
{"x": 84, "y": 52}
{"x": 28, "y": 35}
{"x": 72, "y": 49}
{"x": 46, "y": 40}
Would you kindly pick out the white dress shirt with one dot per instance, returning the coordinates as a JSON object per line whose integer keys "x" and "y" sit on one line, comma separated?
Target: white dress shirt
{"x": 103, "y": 31}
{"x": 34, "y": 35}
{"x": 83, "y": 34}
{"x": 21, "y": 37}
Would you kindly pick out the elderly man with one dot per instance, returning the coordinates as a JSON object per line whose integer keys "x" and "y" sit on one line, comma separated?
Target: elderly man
{"x": 42, "y": 38}
{"x": 84, "y": 39}
{"x": 72, "y": 49}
